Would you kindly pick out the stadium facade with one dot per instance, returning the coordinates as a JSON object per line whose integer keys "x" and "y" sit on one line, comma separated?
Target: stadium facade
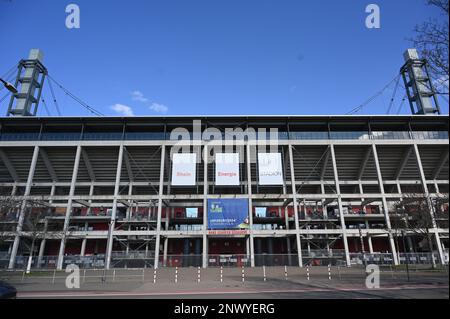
{"x": 112, "y": 192}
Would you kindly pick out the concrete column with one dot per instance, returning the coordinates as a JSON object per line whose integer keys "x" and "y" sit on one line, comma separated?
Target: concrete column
{"x": 430, "y": 206}
{"x": 288, "y": 247}
{"x": 130, "y": 207}
{"x": 160, "y": 202}
{"x": 385, "y": 206}
{"x": 247, "y": 247}
{"x": 91, "y": 193}
{"x": 16, "y": 243}
{"x": 341, "y": 211}
{"x": 112, "y": 223}
{"x": 62, "y": 245}
{"x": 42, "y": 245}
{"x": 369, "y": 238}
{"x": 205, "y": 207}
{"x": 250, "y": 206}
{"x": 166, "y": 244}
{"x": 294, "y": 199}
{"x": 83, "y": 247}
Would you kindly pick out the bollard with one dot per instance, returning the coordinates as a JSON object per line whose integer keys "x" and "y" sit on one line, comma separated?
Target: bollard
{"x": 143, "y": 275}
{"x": 176, "y": 274}
{"x": 243, "y": 274}
{"x": 221, "y": 273}
{"x": 154, "y": 276}
{"x": 307, "y": 272}
{"x": 264, "y": 273}
{"x": 285, "y": 273}
{"x": 329, "y": 272}
{"x": 54, "y": 274}
{"x": 198, "y": 275}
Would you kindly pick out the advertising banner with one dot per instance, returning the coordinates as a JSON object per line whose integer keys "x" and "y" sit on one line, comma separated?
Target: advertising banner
{"x": 270, "y": 169}
{"x": 184, "y": 169}
{"x": 227, "y": 169}
{"x": 228, "y": 214}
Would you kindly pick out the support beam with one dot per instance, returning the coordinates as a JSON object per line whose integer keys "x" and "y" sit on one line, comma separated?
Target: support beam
{"x": 405, "y": 157}
{"x": 62, "y": 246}
{"x": 112, "y": 223}
{"x": 128, "y": 166}
{"x": 385, "y": 206}
{"x": 294, "y": 196}
{"x": 430, "y": 205}
{"x": 441, "y": 164}
{"x": 9, "y": 166}
{"x": 364, "y": 162}
{"x": 48, "y": 165}
{"x": 88, "y": 165}
{"x": 341, "y": 211}
{"x": 160, "y": 202}
{"x": 15, "y": 247}
{"x": 325, "y": 163}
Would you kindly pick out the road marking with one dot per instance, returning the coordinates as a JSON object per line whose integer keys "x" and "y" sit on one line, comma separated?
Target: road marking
{"x": 214, "y": 292}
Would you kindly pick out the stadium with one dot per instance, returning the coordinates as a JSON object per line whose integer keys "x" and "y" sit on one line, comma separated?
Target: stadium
{"x": 206, "y": 191}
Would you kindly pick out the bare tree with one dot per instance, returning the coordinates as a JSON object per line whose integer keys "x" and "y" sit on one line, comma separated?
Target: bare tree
{"x": 418, "y": 213}
{"x": 9, "y": 208}
{"x": 35, "y": 213}
{"x": 432, "y": 40}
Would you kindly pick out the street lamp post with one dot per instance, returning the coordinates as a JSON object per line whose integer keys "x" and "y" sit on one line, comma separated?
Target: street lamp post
{"x": 11, "y": 88}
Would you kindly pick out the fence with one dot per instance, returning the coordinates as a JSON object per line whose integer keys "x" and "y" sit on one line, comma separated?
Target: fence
{"x": 146, "y": 260}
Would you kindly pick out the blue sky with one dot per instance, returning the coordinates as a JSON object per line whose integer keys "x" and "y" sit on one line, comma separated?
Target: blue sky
{"x": 179, "y": 57}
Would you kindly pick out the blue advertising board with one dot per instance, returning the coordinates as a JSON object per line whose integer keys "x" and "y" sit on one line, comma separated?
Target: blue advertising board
{"x": 228, "y": 214}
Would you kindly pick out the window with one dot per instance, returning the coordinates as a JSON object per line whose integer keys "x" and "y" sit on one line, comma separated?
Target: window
{"x": 191, "y": 212}
{"x": 261, "y": 211}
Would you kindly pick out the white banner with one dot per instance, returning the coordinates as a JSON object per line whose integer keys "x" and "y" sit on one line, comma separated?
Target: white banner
{"x": 227, "y": 169}
{"x": 184, "y": 169}
{"x": 270, "y": 169}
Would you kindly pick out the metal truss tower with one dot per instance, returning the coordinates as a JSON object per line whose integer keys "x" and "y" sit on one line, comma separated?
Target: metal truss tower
{"x": 30, "y": 76}
{"x": 419, "y": 86}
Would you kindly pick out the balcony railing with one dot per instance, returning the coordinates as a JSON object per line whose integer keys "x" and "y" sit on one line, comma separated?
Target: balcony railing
{"x": 322, "y": 135}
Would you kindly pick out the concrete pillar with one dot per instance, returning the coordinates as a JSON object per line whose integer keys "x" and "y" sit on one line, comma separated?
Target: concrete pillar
{"x": 294, "y": 199}
{"x": 83, "y": 247}
{"x": 250, "y": 206}
{"x": 369, "y": 238}
{"x": 16, "y": 243}
{"x": 166, "y": 244}
{"x": 341, "y": 211}
{"x": 91, "y": 193}
{"x": 42, "y": 245}
{"x": 385, "y": 206}
{"x": 205, "y": 207}
{"x": 430, "y": 206}
{"x": 62, "y": 245}
{"x": 160, "y": 202}
{"x": 112, "y": 223}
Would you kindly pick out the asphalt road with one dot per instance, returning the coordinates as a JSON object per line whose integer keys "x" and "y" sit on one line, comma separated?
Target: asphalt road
{"x": 346, "y": 283}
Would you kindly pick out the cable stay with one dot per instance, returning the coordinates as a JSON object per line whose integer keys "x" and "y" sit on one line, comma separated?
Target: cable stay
{"x": 75, "y": 98}
{"x": 54, "y": 98}
{"x": 373, "y": 97}
{"x": 391, "y": 103}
